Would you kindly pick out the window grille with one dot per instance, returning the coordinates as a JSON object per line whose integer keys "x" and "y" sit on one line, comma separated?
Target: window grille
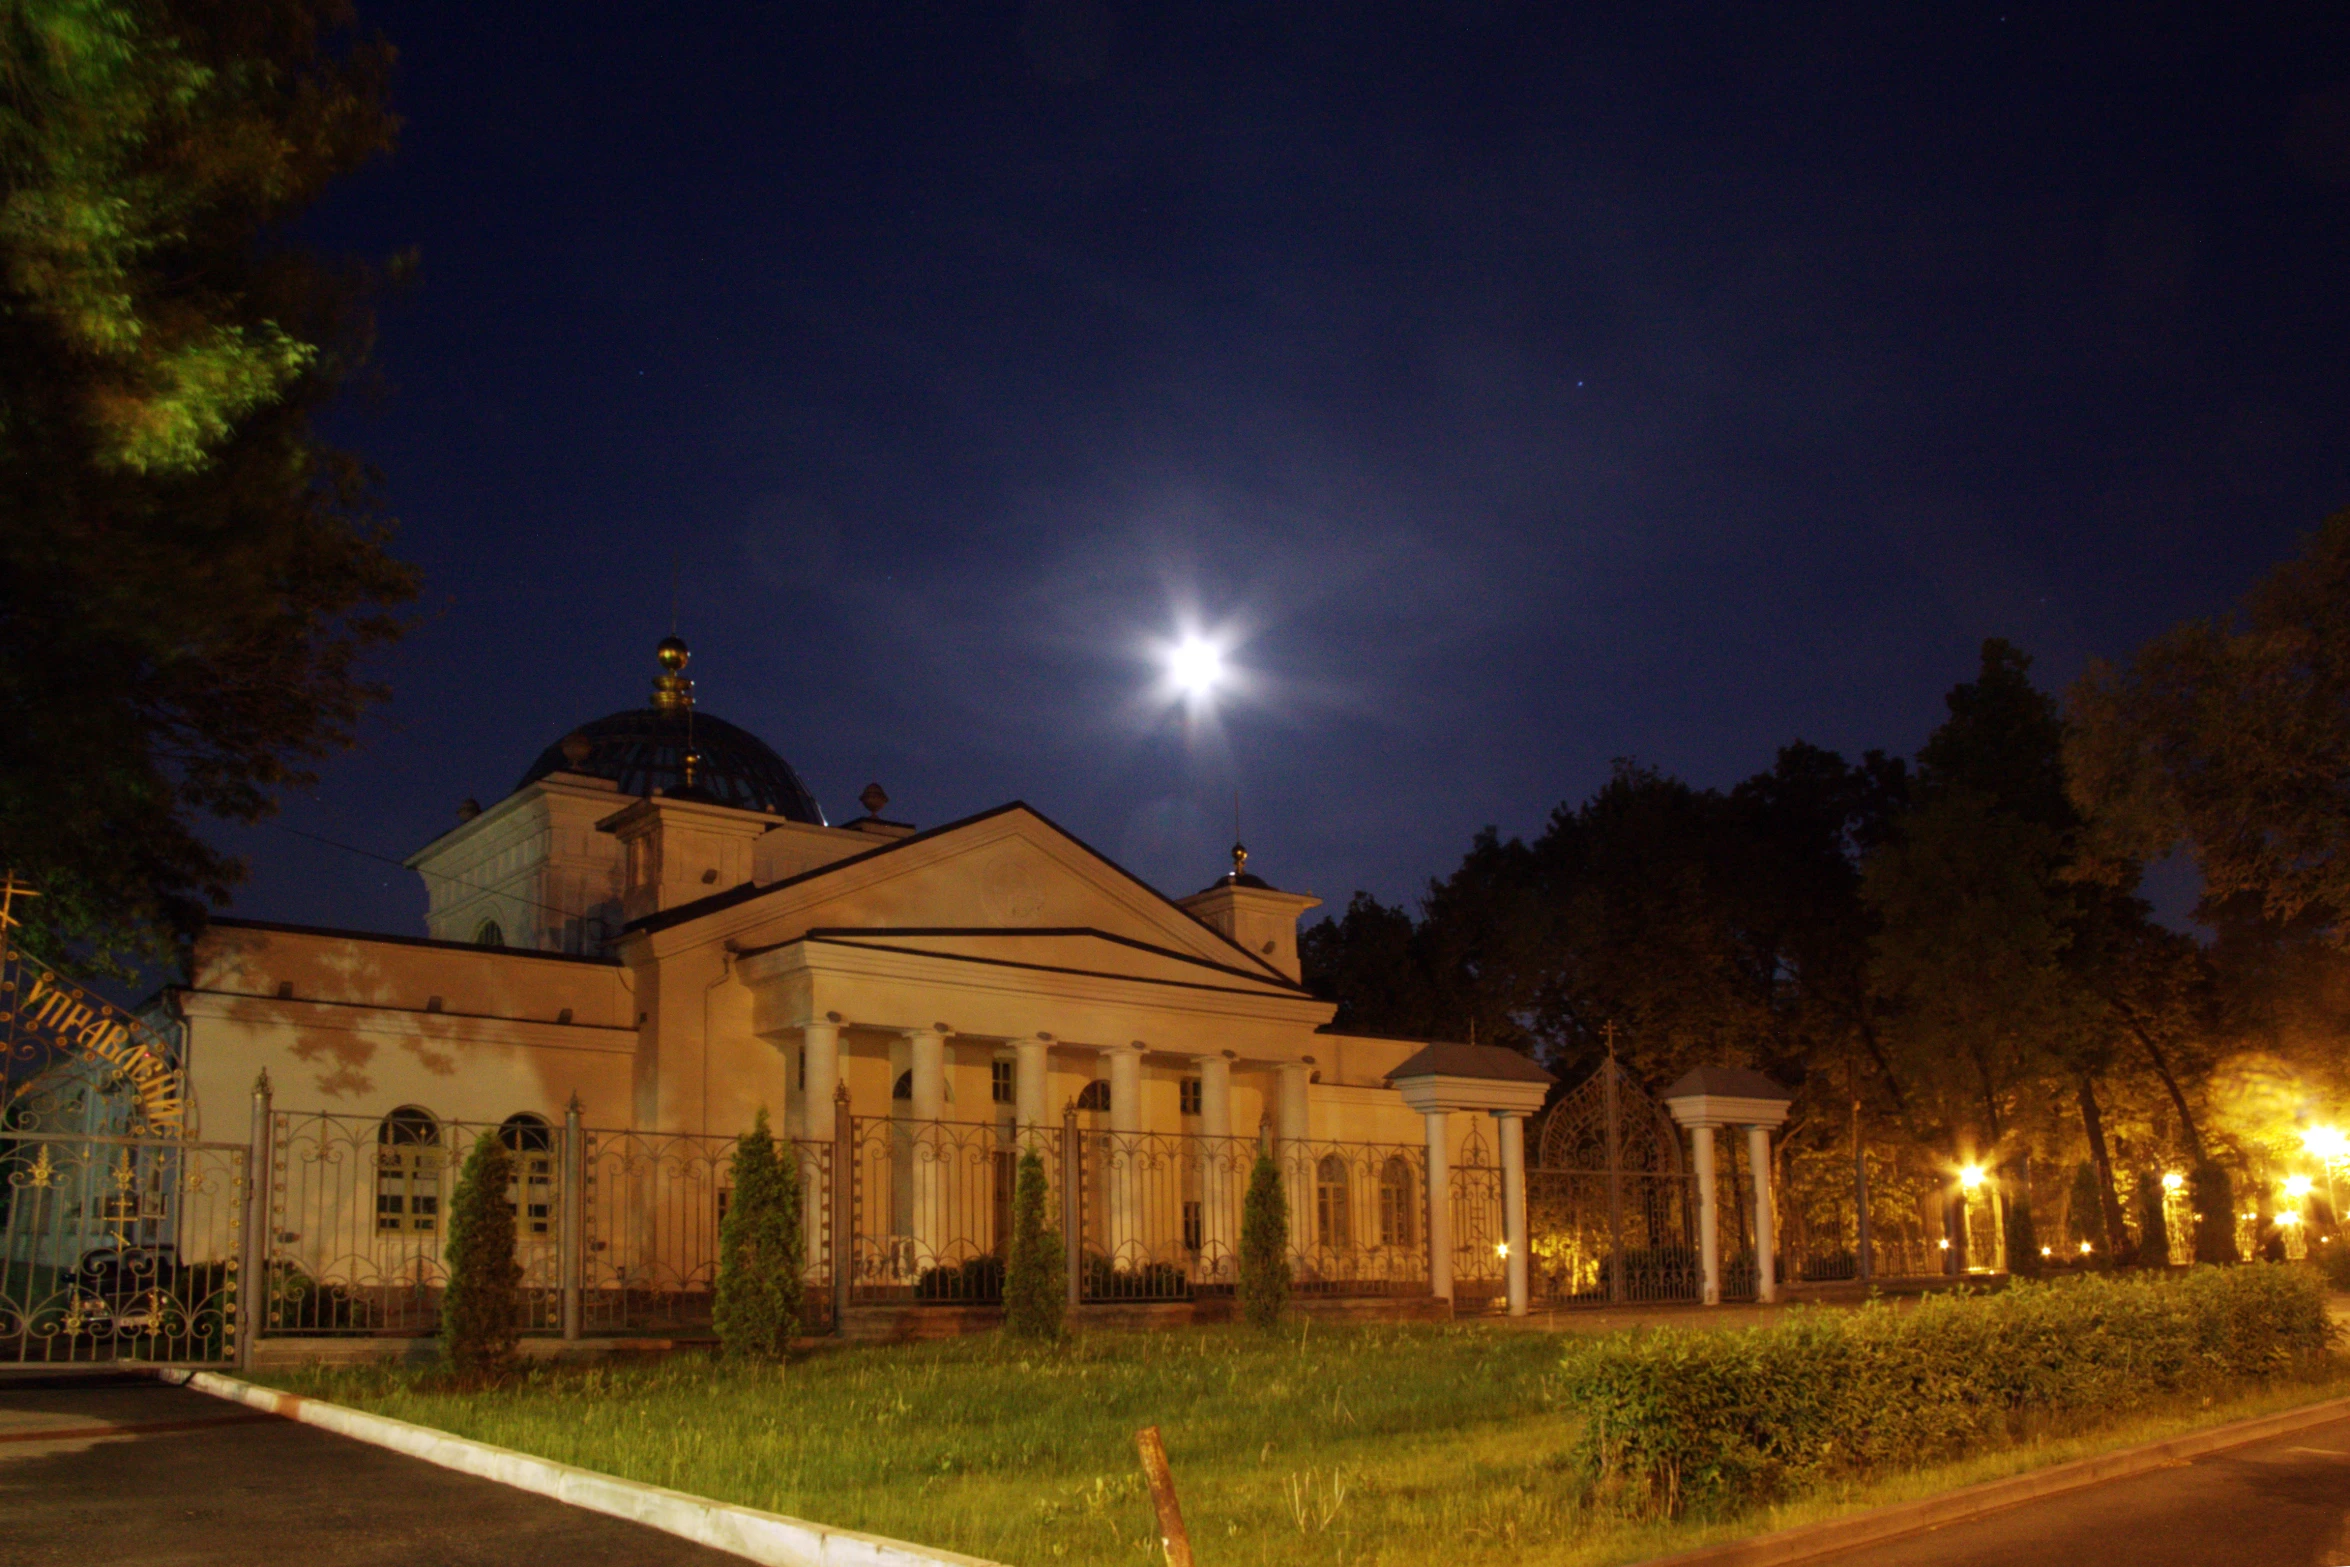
{"x": 1330, "y": 1201}
{"x": 999, "y": 1082}
{"x": 1399, "y": 1203}
{"x": 532, "y": 1195}
{"x": 1187, "y": 1095}
{"x": 1096, "y": 1095}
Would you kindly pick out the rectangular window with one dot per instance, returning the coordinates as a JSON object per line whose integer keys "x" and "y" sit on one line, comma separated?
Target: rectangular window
{"x": 1187, "y": 1095}
{"x": 999, "y": 1082}
{"x": 1192, "y": 1228}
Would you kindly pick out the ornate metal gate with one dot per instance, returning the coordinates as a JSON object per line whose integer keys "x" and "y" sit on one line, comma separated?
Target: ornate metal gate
{"x": 1611, "y": 1211}
{"x": 119, "y": 1248}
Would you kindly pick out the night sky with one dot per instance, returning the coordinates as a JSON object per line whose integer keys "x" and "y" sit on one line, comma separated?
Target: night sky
{"x": 1522, "y": 387}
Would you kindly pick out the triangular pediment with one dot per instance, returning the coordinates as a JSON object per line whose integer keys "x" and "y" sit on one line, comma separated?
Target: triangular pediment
{"x": 1008, "y": 871}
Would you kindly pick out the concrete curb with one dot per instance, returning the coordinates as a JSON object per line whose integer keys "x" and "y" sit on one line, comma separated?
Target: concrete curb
{"x": 1811, "y": 1541}
{"x": 764, "y": 1537}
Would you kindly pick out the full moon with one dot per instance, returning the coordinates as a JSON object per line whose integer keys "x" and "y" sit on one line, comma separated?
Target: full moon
{"x": 1195, "y": 666}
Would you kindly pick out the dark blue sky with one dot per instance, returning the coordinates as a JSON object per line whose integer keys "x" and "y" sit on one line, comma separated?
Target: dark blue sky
{"x": 1533, "y": 386}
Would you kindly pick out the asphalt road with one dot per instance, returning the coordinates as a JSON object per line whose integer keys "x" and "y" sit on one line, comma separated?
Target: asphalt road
{"x": 2279, "y": 1503}
{"x": 112, "y": 1469}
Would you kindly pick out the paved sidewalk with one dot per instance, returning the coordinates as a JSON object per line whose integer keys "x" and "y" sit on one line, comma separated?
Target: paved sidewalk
{"x": 107, "y": 1468}
{"x": 2284, "y": 1502}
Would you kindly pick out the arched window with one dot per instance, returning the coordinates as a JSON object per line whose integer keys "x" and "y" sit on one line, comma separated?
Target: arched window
{"x": 532, "y": 1142}
{"x": 1096, "y": 1095}
{"x": 408, "y": 1162}
{"x": 1330, "y": 1202}
{"x": 1399, "y": 1202}
{"x": 489, "y": 934}
{"x": 904, "y": 1088}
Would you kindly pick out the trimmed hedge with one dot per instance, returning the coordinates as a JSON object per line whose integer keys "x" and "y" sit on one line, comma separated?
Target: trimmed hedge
{"x": 1674, "y": 1421}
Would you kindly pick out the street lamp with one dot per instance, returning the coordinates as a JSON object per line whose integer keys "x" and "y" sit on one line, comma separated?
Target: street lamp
{"x": 1970, "y": 1176}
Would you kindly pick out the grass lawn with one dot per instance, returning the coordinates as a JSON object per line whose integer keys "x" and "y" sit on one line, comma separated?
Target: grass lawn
{"x": 1401, "y": 1444}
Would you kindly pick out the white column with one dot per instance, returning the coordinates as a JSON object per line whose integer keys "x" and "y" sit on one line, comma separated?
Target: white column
{"x": 1029, "y": 1077}
{"x": 1439, "y": 1204}
{"x": 1122, "y": 1158}
{"x": 932, "y": 1158}
{"x": 1292, "y": 1125}
{"x": 1709, "y": 1229}
{"x": 1223, "y": 1167}
{"x": 1758, "y": 1163}
{"x": 820, "y": 1060}
{"x": 1512, "y": 1128}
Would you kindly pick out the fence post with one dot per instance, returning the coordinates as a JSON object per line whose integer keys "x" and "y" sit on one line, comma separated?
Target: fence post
{"x": 1611, "y": 1096}
{"x": 1072, "y": 1238}
{"x": 844, "y": 1196}
{"x": 572, "y": 1253}
{"x": 253, "y": 1249}
{"x": 1860, "y": 1199}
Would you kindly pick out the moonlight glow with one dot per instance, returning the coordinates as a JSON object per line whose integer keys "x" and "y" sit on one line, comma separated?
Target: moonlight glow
{"x": 1196, "y": 666}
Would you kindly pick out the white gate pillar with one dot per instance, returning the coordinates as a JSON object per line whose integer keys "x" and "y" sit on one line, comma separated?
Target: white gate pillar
{"x": 1442, "y": 1078}
{"x": 1715, "y": 1096}
{"x": 1766, "y": 1263}
{"x": 1222, "y": 1166}
{"x": 1512, "y": 1126}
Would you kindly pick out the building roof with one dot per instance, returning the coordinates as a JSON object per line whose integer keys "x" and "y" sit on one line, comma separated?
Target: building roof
{"x": 643, "y": 751}
{"x": 1493, "y": 1063}
{"x": 1728, "y": 1082}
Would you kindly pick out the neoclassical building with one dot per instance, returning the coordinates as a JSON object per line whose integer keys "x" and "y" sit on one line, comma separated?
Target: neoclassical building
{"x": 659, "y": 931}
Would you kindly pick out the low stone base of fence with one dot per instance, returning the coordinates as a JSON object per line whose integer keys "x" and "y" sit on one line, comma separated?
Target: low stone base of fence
{"x": 284, "y": 1354}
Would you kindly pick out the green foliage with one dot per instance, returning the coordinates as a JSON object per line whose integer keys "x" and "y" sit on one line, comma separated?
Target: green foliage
{"x": 1264, "y": 1246}
{"x": 1036, "y": 1281}
{"x": 481, "y": 1311}
{"x": 2214, "y": 1207}
{"x": 2084, "y": 1217}
{"x": 760, "y": 1256}
{"x": 2153, "y": 1245}
{"x": 2219, "y": 732}
{"x": 192, "y": 576}
{"x": 1716, "y": 1421}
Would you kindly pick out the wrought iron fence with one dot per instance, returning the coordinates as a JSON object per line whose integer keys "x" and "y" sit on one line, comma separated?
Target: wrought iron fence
{"x": 119, "y": 1248}
{"x": 616, "y": 1231}
{"x": 1154, "y": 1216}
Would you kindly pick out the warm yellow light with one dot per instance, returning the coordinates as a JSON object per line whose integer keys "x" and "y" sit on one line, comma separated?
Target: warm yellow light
{"x": 1945, "y": 1245}
{"x": 1501, "y": 1248}
{"x": 2045, "y": 1252}
{"x": 1971, "y": 1176}
{"x": 2327, "y": 1142}
{"x": 2173, "y": 1181}
{"x": 2289, "y": 1216}
{"x": 2084, "y": 1248}
{"x": 2297, "y": 1185}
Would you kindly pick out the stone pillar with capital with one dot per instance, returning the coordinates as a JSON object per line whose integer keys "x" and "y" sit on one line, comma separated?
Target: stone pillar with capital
{"x": 1122, "y": 1160}
{"x": 1512, "y": 1126}
{"x": 1440, "y": 1204}
{"x": 820, "y": 1076}
{"x": 932, "y": 1156}
{"x": 1031, "y": 1065}
{"x": 1709, "y": 1213}
{"x": 1292, "y": 1127}
{"x": 1223, "y": 1167}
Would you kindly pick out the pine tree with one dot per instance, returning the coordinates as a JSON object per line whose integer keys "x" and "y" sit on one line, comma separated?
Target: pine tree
{"x": 482, "y": 1308}
{"x": 757, "y": 1312}
{"x": 1264, "y": 1246}
{"x": 1035, "y": 1278}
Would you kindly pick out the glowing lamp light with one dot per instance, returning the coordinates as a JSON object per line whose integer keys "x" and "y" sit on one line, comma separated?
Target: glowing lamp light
{"x": 2289, "y": 1216}
{"x": 1501, "y": 1248}
{"x": 2297, "y": 1185}
{"x": 2327, "y": 1142}
{"x": 2085, "y": 1248}
{"x": 1971, "y": 1176}
{"x": 2046, "y": 1252}
{"x": 2173, "y": 1181}
{"x": 1944, "y": 1244}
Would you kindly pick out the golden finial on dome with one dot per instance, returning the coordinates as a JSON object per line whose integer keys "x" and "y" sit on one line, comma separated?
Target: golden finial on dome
{"x": 1239, "y": 861}
{"x": 672, "y": 689}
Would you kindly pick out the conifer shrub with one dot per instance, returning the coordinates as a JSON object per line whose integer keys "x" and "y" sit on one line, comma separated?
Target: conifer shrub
{"x": 2153, "y": 1246}
{"x": 1264, "y": 1246}
{"x": 481, "y": 1310}
{"x": 757, "y": 1310}
{"x": 1709, "y": 1422}
{"x": 1036, "y": 1284}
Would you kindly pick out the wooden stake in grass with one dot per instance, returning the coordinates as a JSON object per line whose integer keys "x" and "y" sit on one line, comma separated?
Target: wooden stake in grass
{"x": 1162, "y": 1479}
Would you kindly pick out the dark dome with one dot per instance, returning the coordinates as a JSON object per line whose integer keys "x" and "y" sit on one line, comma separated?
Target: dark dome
{"x": 643, "y": 751}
